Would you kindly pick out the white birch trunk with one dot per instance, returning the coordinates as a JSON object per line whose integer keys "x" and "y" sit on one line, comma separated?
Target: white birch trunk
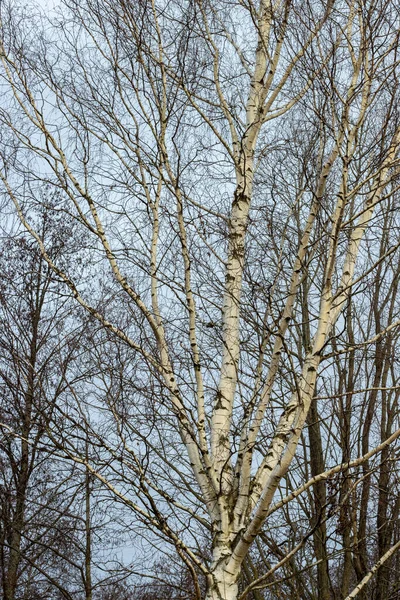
{"x": 222, "y": 585}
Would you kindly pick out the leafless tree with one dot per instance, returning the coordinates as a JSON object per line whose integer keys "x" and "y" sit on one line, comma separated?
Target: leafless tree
{"x": 46, "y": 517}
{"x": 34, "y": 362}
{"x": 231, "y": 170}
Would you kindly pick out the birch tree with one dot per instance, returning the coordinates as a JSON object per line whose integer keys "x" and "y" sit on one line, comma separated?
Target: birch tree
{"x": 229, "y": 163}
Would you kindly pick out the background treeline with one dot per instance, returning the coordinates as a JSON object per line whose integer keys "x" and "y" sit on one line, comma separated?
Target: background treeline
{"x": 64, "y": 534}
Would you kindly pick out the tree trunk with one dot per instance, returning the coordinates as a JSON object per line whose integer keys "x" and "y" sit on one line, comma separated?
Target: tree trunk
{"x": 319, "y": 501}
{"x": 222, "y": 585}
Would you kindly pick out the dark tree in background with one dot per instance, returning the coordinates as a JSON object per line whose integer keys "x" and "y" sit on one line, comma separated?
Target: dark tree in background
{"x": 34, "y": 360}
{"x": 47, "y": 522}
